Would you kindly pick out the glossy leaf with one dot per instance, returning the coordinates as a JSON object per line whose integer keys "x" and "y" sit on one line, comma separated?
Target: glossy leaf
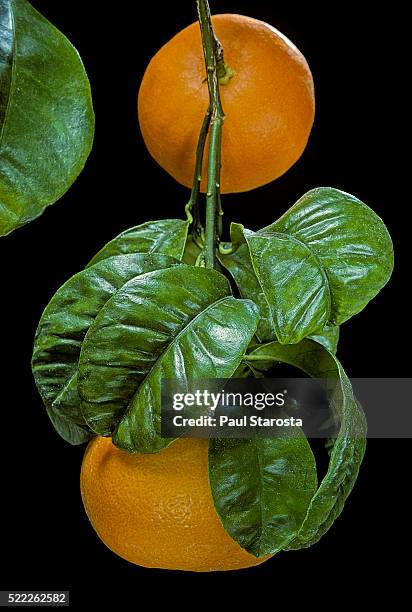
{"x": 262, "y": 488}
{"x": 167, "y": 236}
{"x": 180, "y": 323}
{"x": 46, "y": 114}
{"x": 239, "y": 264}
{"x": 211, "y": 347}
{"x": 328, "y": 338}
{"x": 62, "y": 329}
{"x": 313, "y": 269}
{"x": 349, "y": 239}
{"x": 349, "y": 446}
{"x": 295, "y": 288}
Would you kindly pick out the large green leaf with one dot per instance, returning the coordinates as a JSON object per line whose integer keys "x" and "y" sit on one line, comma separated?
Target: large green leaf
{"x": 46, "y": 114}
{"x": 167, "y": 236}
{"x": 320, "y": 264}
{"x": 211, "y": 346}
{"x": 351, "y": 242}
{"x": 62, "y": 329}
{"x": 262, "y": 488}
{"x": 179, "y": 323}
{"x": 349, "y": 446}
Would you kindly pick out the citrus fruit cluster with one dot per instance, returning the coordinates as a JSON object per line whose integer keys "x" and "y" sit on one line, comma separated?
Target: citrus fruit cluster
{"x": 169, "y": 299}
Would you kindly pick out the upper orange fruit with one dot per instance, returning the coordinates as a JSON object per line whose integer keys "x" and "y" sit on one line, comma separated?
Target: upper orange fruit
{"x": 157, "y": 510}
{"x": 269, "y": 103}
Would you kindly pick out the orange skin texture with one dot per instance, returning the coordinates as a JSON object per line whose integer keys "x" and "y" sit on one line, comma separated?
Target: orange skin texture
{"x": 157, "y": 510}
{"x": 269, "y": 103}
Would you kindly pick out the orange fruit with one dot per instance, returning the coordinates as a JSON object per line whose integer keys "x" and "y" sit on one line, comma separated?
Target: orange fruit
{"x": 269, "y": 103}
{"x": 157, "y": 510}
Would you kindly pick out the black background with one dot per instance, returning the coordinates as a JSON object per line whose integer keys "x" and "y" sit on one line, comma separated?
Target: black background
{"x": 357, "y": 55}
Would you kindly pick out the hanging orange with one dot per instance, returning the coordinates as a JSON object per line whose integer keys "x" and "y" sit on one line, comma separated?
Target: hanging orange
{"x": 157, "y": 510}
{"x": 268, "y": 102}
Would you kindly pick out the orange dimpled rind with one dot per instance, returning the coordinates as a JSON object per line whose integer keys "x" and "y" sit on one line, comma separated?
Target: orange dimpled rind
{"x": 157, "y": 510}
{"x": 269, "y": 103}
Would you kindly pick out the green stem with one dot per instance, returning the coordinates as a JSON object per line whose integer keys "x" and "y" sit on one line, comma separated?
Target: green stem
{"x": 224, "y": 71}
{"x": 219, "y": 210}
{"x": 193, "y": 205}
{"x": 213, "y": 52}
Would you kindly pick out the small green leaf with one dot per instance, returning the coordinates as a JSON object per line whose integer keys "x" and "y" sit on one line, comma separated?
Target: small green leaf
{"x": 348, "y": 448}
{"x": 46, "y": 114}
{"x": 262, "y": 488}
{"x": 181, "y": 324}
{"x": 192, "y": 252}
{"x": 167, "y": 236}
{"x": 314, "y": 268}
{"x": 62, "y": 329}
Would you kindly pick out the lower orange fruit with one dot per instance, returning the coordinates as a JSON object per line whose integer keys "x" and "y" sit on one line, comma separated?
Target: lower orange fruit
{"x": 157, "y": 510}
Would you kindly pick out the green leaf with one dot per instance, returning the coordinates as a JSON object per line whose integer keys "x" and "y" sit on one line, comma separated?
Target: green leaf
{"x": 169, "y": 324}
{"x": 295, "y": 288}
{"x": 239, "y": 264}
{"x": 62, "y": 329}
{"x": 67, "y": 429}
{"x": 315, "y": 267}
{"x": 167, "y": 236}
{"x": 192, "y": 252}
{"x": 351, "y": 242}
{"x": 329, "y": 338}
{"x": 349, "y": 446}
{"x": 46, "y": 114}
{"x": 262, "y": 488}
{"x": 212, "y": 346}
